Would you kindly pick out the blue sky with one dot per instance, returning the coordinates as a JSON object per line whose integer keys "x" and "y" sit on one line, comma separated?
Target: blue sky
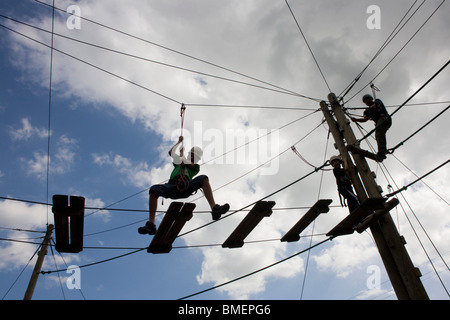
{"x": 109, "y": 140}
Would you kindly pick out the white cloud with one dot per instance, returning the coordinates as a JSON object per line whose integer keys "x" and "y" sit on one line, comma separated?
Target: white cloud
{"x": 21, "y": 215}
{"x": 15, "y": 254}
{"x": 60, "y": 164}
{"x": 64, "y": 154}
{"x": 346, "y": 255}
{"x": 374, "y": 294}
{"x": 27, "y": 131}
{"x": 101, "y": 159}
{"x": 138, "y": 174}
{"x": 219, "y": 267}
{"x": 38, "y": 165}
{"x": 98, "y": 203}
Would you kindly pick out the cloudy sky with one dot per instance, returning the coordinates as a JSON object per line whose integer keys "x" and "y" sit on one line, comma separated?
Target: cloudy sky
{"x": 249, "y": 80}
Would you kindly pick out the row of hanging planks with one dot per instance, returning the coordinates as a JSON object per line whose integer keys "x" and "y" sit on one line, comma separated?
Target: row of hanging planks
{"x": 69, "y": 222}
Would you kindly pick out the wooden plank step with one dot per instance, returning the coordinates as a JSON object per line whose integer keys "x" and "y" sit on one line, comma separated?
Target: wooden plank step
{"x": 347, "y": 226}
{"x": 362, "y": 152}
{"x": 68, "y": 216}
{"x": 257, "y": 213}
{"x": 321, "y": 206}
{"x": 367, "y": 222}
{"x": 174, "y": 220}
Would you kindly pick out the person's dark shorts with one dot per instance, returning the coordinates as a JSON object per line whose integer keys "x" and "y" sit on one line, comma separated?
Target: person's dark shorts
{"x": 169, "y": 190}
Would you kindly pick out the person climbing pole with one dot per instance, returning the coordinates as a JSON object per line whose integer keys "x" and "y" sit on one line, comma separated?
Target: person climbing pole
{"x": 182, "y": 184}
{"x": 344, "y": 183}
{"x": 377, "y": 112}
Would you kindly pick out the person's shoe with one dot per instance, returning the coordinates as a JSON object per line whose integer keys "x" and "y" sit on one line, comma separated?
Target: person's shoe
{"x": 217, "y": 211}
{"x": 149, "y": 228}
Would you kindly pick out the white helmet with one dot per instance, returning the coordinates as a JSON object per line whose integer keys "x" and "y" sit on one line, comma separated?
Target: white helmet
{"x": 197, "y": 152}
{"x": 335, "y": 158}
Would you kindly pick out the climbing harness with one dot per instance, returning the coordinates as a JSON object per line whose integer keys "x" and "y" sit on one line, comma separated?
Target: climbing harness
{"x": 183, "y": 181}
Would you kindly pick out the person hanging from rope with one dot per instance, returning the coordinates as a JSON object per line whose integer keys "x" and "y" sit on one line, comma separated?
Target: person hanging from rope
{"x": 377, "y": 112}
{"x": 181, "y": 185}
{"x": 344, "y": 183}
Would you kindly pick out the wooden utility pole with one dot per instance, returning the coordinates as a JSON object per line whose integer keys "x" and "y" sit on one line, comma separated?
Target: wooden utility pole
{"x": 404, "y": 277}
{"x": 38, "y": 265}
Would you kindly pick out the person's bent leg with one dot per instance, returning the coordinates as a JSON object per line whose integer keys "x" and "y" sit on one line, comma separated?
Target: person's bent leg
{"x": 207, "y": 190}
{"x": 153, "y": 205}
{"x": 150, "y": 227}
{"x": 382, "y": 127}
{"x": 216, "y": 210}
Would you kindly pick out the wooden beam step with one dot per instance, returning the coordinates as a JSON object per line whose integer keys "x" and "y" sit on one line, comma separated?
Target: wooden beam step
{"x": 174, "y": 220}
{"x": 347, "y": 226}
{"x": 257, "y": 213}
{"x": 321, "y": 206}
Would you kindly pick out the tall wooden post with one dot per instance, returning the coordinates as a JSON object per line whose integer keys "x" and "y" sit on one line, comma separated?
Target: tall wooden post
{"x": 336, "y": 131}
{"x": 404, "y": 277}
{"x": 37, "y": 268}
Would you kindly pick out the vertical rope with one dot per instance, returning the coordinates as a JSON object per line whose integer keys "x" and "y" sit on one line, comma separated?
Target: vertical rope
{"x": 50, "y": 107}
{"x": 183, "y": 181}
{"x": 314, "y": 222}
{"x": 374, "y": 89}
